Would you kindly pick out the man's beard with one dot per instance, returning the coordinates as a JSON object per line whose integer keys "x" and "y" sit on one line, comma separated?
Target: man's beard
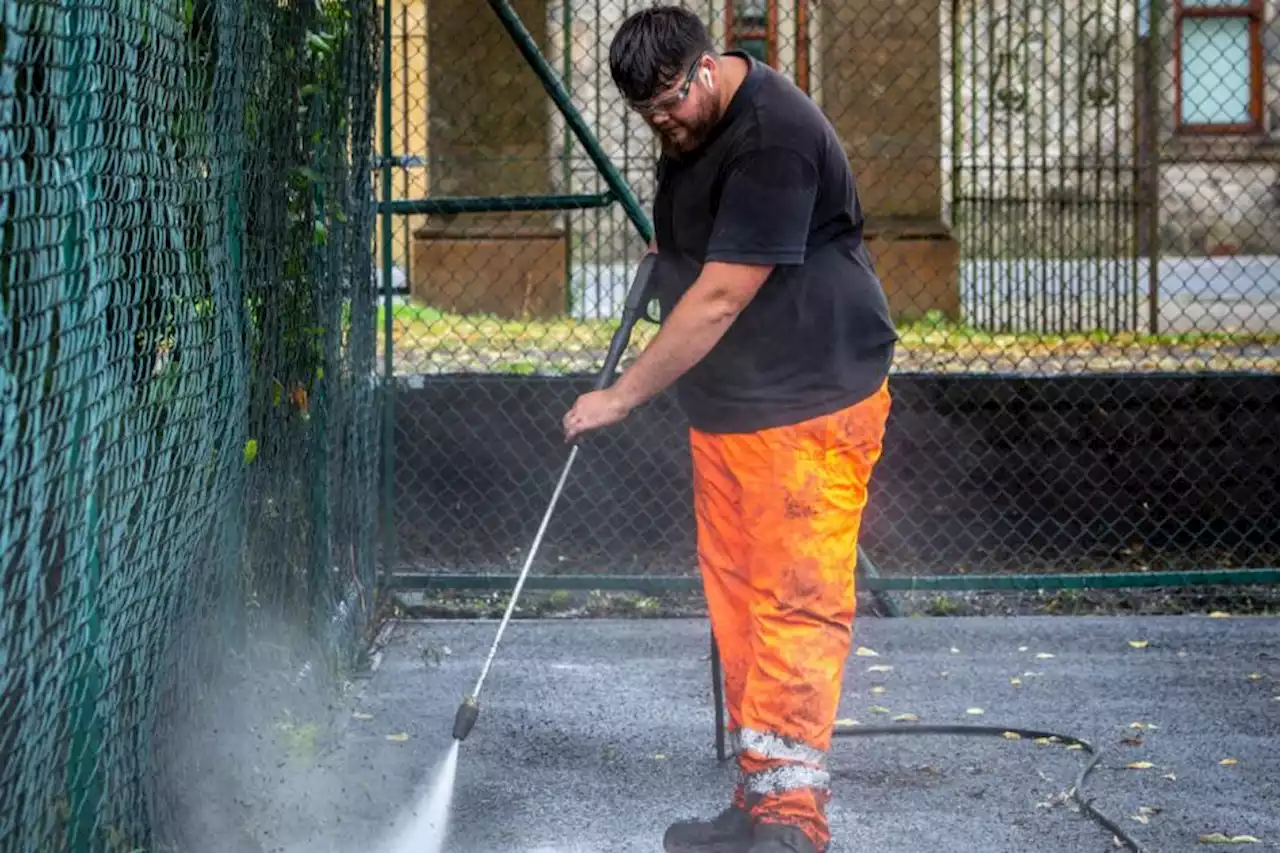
{"x": 692, "y": 134}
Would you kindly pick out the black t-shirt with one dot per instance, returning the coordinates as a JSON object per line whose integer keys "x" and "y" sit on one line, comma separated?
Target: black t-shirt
{"x": 772, "y": 185}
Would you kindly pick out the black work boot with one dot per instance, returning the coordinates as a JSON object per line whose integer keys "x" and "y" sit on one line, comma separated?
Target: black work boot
{"x": 780, "y": 838}
{"x": 727, "y": 832}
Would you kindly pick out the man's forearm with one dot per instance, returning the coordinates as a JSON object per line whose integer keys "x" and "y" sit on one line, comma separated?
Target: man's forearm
{"x": 696, "y": 324}
{"x": 684, "y": 339}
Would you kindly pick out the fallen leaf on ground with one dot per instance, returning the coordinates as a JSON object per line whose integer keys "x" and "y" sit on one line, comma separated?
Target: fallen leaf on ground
{"x": 1043, "y": 656}
{"x": 906, "y": 718}
{"x": 878, "y": 709}
{"x": 975, "y": 711}
{"x": 1142, "y": 726}
{"x": 361, "y": 715}
{"x": 1138, "y": 644}
{"x": 1016, "y": 682}
{"x": 1219, "y": 838}
{"x": 1140, "y": 765}
{"x": 880, "y": 667}
{"x": 847, "y": 721}
{"x": 1255, "y": 676}
{"x": 1022, "y": 648}
{"x": 1144, "y": 814}
{"x": 400, "y": 738}
{"x": 879, "y": 688}
{"x": 1170, "y": 777}
{"x": 1219, "y": 614}
{"x": 1012, "y": 736}
{"x": 954, "y": 650}
{"x": 659, "y": 756}
{"x": 864, "y": 652}
{"x": 1043, "y": 741}
{"x": 1227, "y": 762}
{"x": 1058, "y": 799}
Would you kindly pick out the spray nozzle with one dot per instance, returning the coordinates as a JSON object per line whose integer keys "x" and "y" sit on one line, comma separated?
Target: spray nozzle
{"x": 465, "y": 719}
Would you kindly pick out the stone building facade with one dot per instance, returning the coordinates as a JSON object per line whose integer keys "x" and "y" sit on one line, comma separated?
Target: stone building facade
{"x": 1220, "y": 185}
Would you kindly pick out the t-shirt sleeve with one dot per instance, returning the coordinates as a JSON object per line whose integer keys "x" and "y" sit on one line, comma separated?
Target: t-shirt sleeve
{"x": 766, "y": 204}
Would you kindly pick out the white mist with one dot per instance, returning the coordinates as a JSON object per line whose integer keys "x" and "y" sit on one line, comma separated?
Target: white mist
{"x": 425, "y": 827}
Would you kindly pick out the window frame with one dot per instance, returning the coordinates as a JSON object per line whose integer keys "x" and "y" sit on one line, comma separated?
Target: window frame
{"x": 1253, "y": 11}
{"x": 769, "y": 34}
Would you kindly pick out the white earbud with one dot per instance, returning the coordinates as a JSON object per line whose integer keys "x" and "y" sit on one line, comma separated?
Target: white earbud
{"x": 706, "y": 78}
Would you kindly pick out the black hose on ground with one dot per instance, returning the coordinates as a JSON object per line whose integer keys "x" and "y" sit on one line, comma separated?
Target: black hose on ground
{"x": 1077, "y": 791}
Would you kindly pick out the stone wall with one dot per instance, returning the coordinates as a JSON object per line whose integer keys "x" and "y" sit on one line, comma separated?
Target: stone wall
{"x": 1210, "y": 209}
{"x": 1221, "y": 195}
{"x": 489, "y": 122}
{"x": 882, "y": 84}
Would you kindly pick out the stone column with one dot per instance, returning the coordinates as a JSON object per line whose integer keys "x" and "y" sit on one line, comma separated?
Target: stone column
{"x": 882, "y": 89}
{"x": 489, "y": 123}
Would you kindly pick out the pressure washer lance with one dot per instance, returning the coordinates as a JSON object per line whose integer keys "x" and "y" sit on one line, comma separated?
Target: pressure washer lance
{"x": 469, "y": 710}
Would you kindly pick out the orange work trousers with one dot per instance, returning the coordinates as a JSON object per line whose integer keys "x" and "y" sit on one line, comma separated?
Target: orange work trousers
{"x": 778, "y": 516}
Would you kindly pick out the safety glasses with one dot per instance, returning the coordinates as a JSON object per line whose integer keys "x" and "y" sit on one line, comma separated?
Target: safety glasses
{"x": 666, "y": 103}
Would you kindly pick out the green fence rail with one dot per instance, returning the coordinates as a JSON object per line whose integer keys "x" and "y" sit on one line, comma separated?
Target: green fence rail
{"x": 498, "y": 204}
{"x": 917, "y": 583}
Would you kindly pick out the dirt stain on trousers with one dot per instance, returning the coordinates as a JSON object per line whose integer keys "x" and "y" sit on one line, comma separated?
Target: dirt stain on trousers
{"x": 778, "y": 517}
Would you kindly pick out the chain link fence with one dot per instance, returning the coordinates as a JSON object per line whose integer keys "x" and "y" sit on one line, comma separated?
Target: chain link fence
{"x": 1075, "y": 211}
{"x": 188, "y": 403}
{"x": 1073, "y": 208}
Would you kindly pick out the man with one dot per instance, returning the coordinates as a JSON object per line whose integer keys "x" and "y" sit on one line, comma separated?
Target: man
{"x": 777, "y": 337}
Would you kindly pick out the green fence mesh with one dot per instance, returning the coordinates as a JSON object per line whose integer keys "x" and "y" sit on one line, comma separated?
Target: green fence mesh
{"x": 188, "y": 397}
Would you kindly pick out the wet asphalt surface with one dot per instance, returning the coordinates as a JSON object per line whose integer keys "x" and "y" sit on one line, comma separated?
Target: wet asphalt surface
{"x": 594, "y": 735}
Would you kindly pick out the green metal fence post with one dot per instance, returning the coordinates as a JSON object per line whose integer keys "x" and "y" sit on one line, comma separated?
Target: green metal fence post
{"x": 566, "y": 170}
{"x": 388, "y": 306}
{"x": 1151, "y": 138}
{"x": 83, "y": 781}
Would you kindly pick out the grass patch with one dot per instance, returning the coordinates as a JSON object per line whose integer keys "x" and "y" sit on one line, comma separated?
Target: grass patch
{"x": 427, "y": 340}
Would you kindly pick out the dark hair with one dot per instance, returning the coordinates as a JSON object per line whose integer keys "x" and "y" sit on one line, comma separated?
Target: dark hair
{"x": 653, "y": 47}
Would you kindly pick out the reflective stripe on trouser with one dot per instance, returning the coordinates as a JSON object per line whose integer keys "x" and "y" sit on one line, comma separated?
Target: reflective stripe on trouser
{"x": 778, "y": 514}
